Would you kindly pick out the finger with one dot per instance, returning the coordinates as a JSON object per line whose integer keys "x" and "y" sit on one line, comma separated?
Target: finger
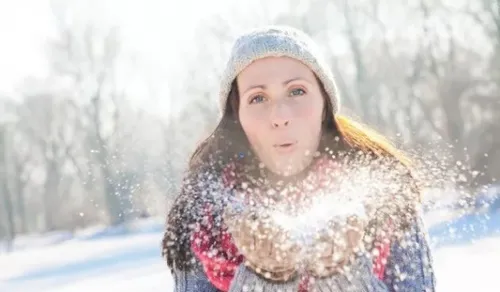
{"x": 280, "y": 267}
{"x": 353, "y": 237}
{"x": 339, "y": 254}
{"x": 270, "y": 248}
{"x": 356, "y": 225}
{"x": 245, "y": 237}
{"x": 355, "y": 221}
{"x": 324, "y": 248}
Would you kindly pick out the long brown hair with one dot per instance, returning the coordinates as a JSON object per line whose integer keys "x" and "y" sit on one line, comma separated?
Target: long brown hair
{"x": 340, "y": 134}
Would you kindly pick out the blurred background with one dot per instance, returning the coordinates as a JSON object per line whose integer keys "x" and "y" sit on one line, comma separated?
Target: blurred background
{"x": 102, "y": 102}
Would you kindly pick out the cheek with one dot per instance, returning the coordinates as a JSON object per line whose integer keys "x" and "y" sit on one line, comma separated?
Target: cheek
{"x": 310, "y": 116}
{"x": 253, "y": 126}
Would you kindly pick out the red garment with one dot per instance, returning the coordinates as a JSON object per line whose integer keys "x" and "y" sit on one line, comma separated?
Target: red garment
{"x": 379, "y": 262}
{"x": 219, "y": 263}
{"x": 220, "y": 257}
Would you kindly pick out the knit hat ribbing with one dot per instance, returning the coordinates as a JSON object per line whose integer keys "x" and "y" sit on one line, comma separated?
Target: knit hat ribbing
{"x": 277, "y": 41}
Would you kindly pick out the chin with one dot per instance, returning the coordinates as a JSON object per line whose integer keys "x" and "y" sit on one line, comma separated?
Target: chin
{"x": 290, "y": 170}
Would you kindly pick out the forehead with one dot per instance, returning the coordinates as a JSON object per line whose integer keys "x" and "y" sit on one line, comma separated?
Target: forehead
{"x": 274, "y": 69}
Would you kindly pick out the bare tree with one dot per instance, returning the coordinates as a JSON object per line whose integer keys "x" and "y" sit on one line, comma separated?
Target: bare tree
{"x": 45, "y": 123}
{"x": 487, "y": 16}
{"x": 5, "y": 193}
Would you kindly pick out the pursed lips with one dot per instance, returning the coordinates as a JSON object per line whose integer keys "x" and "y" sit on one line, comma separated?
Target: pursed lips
{"x": 284, "y": 145}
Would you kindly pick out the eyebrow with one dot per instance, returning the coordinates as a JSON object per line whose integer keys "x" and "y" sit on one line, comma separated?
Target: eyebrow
{"x": 286, "y": 82}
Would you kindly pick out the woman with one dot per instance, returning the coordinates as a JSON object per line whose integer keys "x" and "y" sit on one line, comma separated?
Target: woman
{"x": 281, "y": 147}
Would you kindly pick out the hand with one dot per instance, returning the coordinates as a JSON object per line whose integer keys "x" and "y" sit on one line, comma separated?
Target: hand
{"x": 335, "y": 246}
{"x": 267, "y": 248}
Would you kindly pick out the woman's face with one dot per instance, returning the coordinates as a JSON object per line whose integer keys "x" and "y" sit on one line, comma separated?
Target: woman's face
{"x": 281, "y": 111}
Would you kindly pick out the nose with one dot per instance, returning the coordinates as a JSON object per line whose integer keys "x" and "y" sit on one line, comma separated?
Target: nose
{"x": 280, "y": 124}
{"x": 280, "y": 116}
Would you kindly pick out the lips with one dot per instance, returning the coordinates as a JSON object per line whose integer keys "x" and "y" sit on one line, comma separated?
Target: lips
{"x": 285, "y": 146}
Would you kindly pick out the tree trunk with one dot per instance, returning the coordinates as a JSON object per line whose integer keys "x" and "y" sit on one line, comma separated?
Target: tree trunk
{"x": 9, "y": 214}
{"x": 4, "y": 190}
{"x": 21, "y": 207}
{"x": 50, "y": 191}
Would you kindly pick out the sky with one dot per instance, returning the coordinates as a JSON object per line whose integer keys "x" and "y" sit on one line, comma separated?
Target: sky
{"x": 24, "y": 26}
{"x": 157, "y": 31}
{"x": 160, "y": 33}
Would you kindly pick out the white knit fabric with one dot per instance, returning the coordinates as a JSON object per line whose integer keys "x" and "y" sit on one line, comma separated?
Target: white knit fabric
{"x": 277, "y": 41}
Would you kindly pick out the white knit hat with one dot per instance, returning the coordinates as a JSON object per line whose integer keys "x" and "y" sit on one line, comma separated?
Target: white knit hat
{"x": 277, "y": 41}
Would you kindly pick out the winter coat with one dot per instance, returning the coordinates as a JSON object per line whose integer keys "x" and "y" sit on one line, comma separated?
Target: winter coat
{"x": 401, "y": 265}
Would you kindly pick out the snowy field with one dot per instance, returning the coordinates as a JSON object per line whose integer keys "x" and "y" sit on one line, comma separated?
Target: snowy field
{"x": 128, "y": 259}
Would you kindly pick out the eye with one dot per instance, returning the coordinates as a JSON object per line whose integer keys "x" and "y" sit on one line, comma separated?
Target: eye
{"x": 257, "y": 99}
{"x": 297, "y": 91}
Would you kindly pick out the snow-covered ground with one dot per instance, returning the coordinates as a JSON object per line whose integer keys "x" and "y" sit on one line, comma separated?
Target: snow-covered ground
{"x": 126, "y": 258}
{"x": 129, "y": 260}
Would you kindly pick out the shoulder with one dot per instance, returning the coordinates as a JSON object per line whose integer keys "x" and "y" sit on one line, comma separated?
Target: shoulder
{"x": 410, "y": 264}
{"x": 198, "y": 195}
{"x": 193, "y": 280}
